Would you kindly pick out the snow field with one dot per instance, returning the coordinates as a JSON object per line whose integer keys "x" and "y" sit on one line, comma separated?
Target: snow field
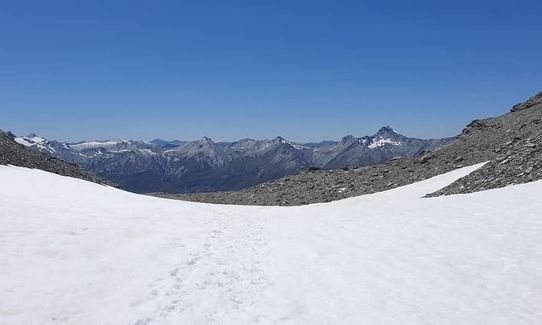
{"x": 73, "y": 252}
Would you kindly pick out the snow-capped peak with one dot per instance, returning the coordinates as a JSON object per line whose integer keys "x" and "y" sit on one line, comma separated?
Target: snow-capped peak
{"x": 34, "y": 141}
{"x": 30, "y": 140}
{"x": 385, "y": 136}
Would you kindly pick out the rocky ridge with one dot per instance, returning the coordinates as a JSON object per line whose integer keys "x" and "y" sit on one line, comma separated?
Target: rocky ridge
{"x": 516, "y": 159}
{"x": 511, "y": 144}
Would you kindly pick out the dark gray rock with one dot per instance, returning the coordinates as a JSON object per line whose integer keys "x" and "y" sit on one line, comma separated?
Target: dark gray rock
{"x": 533, "y": 101}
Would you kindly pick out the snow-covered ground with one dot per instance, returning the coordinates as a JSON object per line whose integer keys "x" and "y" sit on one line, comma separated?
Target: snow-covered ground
{"x": 73, "y": 252}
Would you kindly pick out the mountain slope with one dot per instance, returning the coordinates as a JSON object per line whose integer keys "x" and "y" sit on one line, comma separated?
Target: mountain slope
{"x": 201, "y": 166}
{"x": 516, "y": 149}
{"x": 74, "y": 252}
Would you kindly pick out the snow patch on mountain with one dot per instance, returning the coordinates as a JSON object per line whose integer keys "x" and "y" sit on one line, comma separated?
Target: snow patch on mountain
{"x": 380, "y": 142}
{"x": 97, "y": 144}
{"x": 29, "y": 140}
{"x": 292, "y": 144}
{"x": 35, "y": 141}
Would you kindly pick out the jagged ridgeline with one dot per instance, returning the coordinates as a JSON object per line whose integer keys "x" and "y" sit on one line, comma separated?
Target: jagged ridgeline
{"x": 206, "y": 166}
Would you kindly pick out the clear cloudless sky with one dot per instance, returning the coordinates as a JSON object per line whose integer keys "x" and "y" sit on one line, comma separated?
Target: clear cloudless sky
{"x": 306, "y": 70}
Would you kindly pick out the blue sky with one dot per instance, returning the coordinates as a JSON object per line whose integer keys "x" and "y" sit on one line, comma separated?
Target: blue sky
{"x": 305, "y": 70}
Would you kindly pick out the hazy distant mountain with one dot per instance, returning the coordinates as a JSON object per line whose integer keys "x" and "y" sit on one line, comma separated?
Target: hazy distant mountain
{"x": 196, "y": 166}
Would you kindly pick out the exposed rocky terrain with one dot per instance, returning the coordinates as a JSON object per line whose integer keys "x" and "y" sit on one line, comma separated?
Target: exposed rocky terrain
{"x": 515, "y": 159}
{"x": 197, "y": 166}
{"x": 13, "y": 153}
{"x": 511, "y": 144}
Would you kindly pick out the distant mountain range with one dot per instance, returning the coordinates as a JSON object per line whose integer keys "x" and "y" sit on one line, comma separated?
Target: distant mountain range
{"x": 203, "y": 166}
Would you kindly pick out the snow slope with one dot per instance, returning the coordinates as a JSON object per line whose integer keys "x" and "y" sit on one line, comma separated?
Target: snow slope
{"x": 73, "y": 252}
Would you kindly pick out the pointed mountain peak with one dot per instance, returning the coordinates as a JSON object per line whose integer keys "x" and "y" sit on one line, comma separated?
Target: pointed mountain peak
{"x": 286, "y": 143}
{"x": 386, "y": 129}
{"x": 348, "y": 138}
{"x": 207, "y": 140}
{"x": 31, "y": 135}
{"x": 279, "y": 139}
{"x": 386, "y": 132}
